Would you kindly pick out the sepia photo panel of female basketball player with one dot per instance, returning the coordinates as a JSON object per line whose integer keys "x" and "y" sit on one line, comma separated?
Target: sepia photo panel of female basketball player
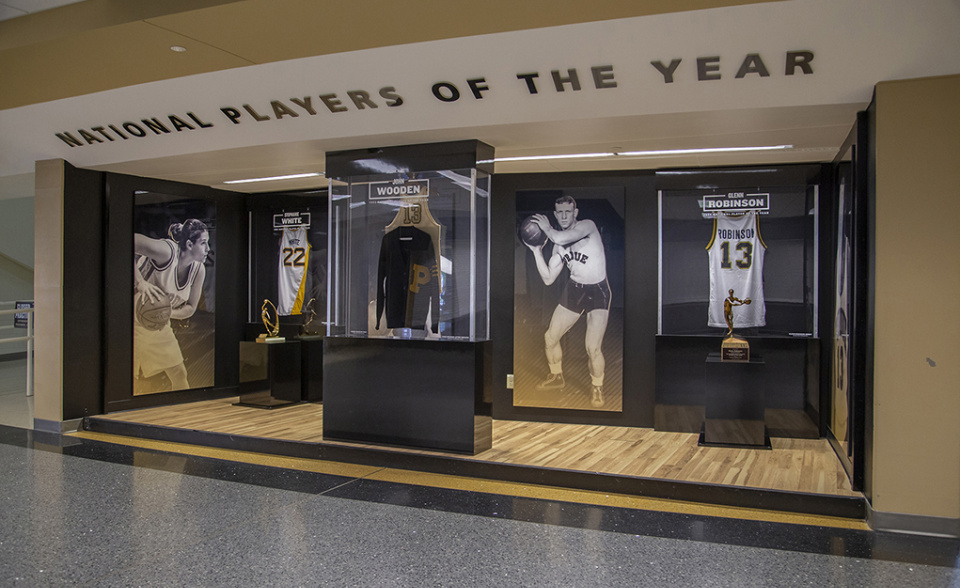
{"x": 174, "y": 293}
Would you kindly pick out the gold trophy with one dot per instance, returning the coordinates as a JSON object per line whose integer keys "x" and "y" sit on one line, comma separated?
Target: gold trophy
{"x": 272, "y": 325}
{"x": 733, "y": 348}
{"x": 307, "y": 329}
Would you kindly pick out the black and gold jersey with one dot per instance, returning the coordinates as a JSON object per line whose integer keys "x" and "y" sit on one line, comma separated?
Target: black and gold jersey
{"x": 408, "y": 280}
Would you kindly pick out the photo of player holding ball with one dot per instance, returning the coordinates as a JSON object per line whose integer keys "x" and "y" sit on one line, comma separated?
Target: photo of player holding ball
{"x": 580, "y": 249}
{"x": 569, "y": 250}
{"x": 169, "y": 275}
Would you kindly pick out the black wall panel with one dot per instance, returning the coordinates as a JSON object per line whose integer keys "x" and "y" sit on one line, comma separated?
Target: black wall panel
{"x": 866, "y": 176}
{"x": 640, "y": 294}
{"x": 231, "y": 279}
{"x": 83, "y": 246}
{"x": 104, "y": 306}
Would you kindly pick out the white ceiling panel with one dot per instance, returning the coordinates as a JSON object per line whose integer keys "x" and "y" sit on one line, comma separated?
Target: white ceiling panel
{"x": 37, "y": 5}
{"x": 7, "y": 12}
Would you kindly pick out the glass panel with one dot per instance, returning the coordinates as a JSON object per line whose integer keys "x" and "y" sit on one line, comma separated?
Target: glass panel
{"x": 410, "y": 255}
{"x": 843, "y": 302}
{"x": 288, "y": 260}
{"x": 759, "y": 242}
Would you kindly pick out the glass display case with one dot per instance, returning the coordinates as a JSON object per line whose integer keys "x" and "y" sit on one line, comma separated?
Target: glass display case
{"x": 742, "y": 259}
{"x": 288, "y": 259}
{"x": 760, "y": 241}
{"x": 409, "y": 251}
{"x": 407, "y": 357}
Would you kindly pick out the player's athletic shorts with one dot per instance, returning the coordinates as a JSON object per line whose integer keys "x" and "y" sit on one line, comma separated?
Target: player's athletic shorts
{"x": 585, "y": 297}
{"x": 154, "y": 351}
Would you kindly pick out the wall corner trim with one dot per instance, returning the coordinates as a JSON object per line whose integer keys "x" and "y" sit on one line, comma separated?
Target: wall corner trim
{"x": 896, "y": 522}
{"x": 58, "y": 427}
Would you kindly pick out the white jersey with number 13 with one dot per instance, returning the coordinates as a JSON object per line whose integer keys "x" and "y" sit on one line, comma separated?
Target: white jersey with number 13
{"x": 736, "y": 252}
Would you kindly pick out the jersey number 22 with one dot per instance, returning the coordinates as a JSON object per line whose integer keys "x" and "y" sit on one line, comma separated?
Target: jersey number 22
{"x": 293, "y": 256}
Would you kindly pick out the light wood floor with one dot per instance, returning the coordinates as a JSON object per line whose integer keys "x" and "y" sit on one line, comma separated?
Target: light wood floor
{"x": 798, "y": 465}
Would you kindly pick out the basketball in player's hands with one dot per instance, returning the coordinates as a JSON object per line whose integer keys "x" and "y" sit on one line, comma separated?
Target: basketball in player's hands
{"x": 153, "y": 314}
{"x": 531, "y": 234}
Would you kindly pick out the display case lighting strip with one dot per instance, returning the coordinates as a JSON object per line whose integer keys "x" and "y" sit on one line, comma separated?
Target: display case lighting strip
{"x": 275, "y": 178}
{"x": 653, "y": 153}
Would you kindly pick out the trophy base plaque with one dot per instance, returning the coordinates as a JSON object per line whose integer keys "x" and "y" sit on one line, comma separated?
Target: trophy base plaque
{"x": 735, "y": 349}
{"x": 264, "y": 338}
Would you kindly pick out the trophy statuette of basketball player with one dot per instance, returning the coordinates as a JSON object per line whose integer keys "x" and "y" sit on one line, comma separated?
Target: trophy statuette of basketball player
{"x": 268, "y": 310}
{"x": 733, "y": 348}
{"x": 307, "y": 330}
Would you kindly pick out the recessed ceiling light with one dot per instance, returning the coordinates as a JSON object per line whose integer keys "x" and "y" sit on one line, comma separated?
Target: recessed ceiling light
{"x": 274, "y": 178}
{"x": 712, "y": 172}
{"x": 654, "y": 153}
{"x": 701, "y": 151}
{"x": 178, "y": 48}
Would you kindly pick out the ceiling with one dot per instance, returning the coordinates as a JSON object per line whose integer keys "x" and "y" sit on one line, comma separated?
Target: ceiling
{"x": 63, "y": 49}
{"x": 95, "y": 45}
{"x": 14, "y": 8}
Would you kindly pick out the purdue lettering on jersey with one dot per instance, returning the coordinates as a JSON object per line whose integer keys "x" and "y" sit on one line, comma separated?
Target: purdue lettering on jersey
{"x": 736, "y": 252}
{"x": 570, "y": 257}
{"x": 291, "y": 272}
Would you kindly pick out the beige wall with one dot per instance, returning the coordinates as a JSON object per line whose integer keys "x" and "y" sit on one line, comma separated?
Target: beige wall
{"x": 917, "y": 359}
{"x": 47, "y": 290}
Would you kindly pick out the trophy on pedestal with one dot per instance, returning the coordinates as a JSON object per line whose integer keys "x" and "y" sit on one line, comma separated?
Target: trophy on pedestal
{"x": 308, "y": 329}
{"x": 733, "y": 348}
{"x": 272, "y": 324}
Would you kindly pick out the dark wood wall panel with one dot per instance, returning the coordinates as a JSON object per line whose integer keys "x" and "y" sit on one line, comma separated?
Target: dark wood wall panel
{"x": 83, "y": 317}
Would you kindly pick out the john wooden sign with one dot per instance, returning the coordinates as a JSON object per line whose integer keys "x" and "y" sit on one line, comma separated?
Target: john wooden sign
{"x": 596, "y": 78}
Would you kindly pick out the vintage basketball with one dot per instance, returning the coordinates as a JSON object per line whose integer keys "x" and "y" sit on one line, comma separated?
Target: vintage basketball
{"x": 531, "y": 234}
{"x": 153, "y": 315}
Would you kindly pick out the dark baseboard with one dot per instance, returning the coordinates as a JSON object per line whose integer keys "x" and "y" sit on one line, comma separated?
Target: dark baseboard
{"x": 60, "y": 427}
{"x": 896, "y": 522}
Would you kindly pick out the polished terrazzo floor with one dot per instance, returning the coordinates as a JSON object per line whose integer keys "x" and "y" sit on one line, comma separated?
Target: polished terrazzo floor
{"x": 84, "y": 512}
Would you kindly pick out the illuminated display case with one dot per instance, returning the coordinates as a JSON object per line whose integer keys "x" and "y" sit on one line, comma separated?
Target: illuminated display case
{"x": 409, "y": 246}
{"x": 764, "y": 236}
{"x": 288, "y": 258}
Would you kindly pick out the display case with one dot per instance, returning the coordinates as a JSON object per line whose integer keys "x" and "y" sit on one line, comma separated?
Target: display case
{"x": 409, "y": 247}
{"x": 409, "y": 261}
{"x": 760, "y": 241}
{"x": 288, "y": 258}
{"x": 750, "y": 251}
{"x": 849, "y": 324}
{"x": 287, "y": 243}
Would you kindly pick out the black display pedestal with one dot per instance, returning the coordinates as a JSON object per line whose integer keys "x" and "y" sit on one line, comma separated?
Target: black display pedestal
{"x": 311, "y": 378}
{"x": 734, "y": 411}
{"x": 416, "y": 393}
{"x": 269, "y": 374}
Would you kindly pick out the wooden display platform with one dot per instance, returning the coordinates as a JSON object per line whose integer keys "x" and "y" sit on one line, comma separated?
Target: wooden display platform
{"x": 798, "y": 475}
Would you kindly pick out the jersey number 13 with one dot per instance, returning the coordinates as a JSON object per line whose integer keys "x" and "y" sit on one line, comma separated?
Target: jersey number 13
{"x": 745, "y": 258}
